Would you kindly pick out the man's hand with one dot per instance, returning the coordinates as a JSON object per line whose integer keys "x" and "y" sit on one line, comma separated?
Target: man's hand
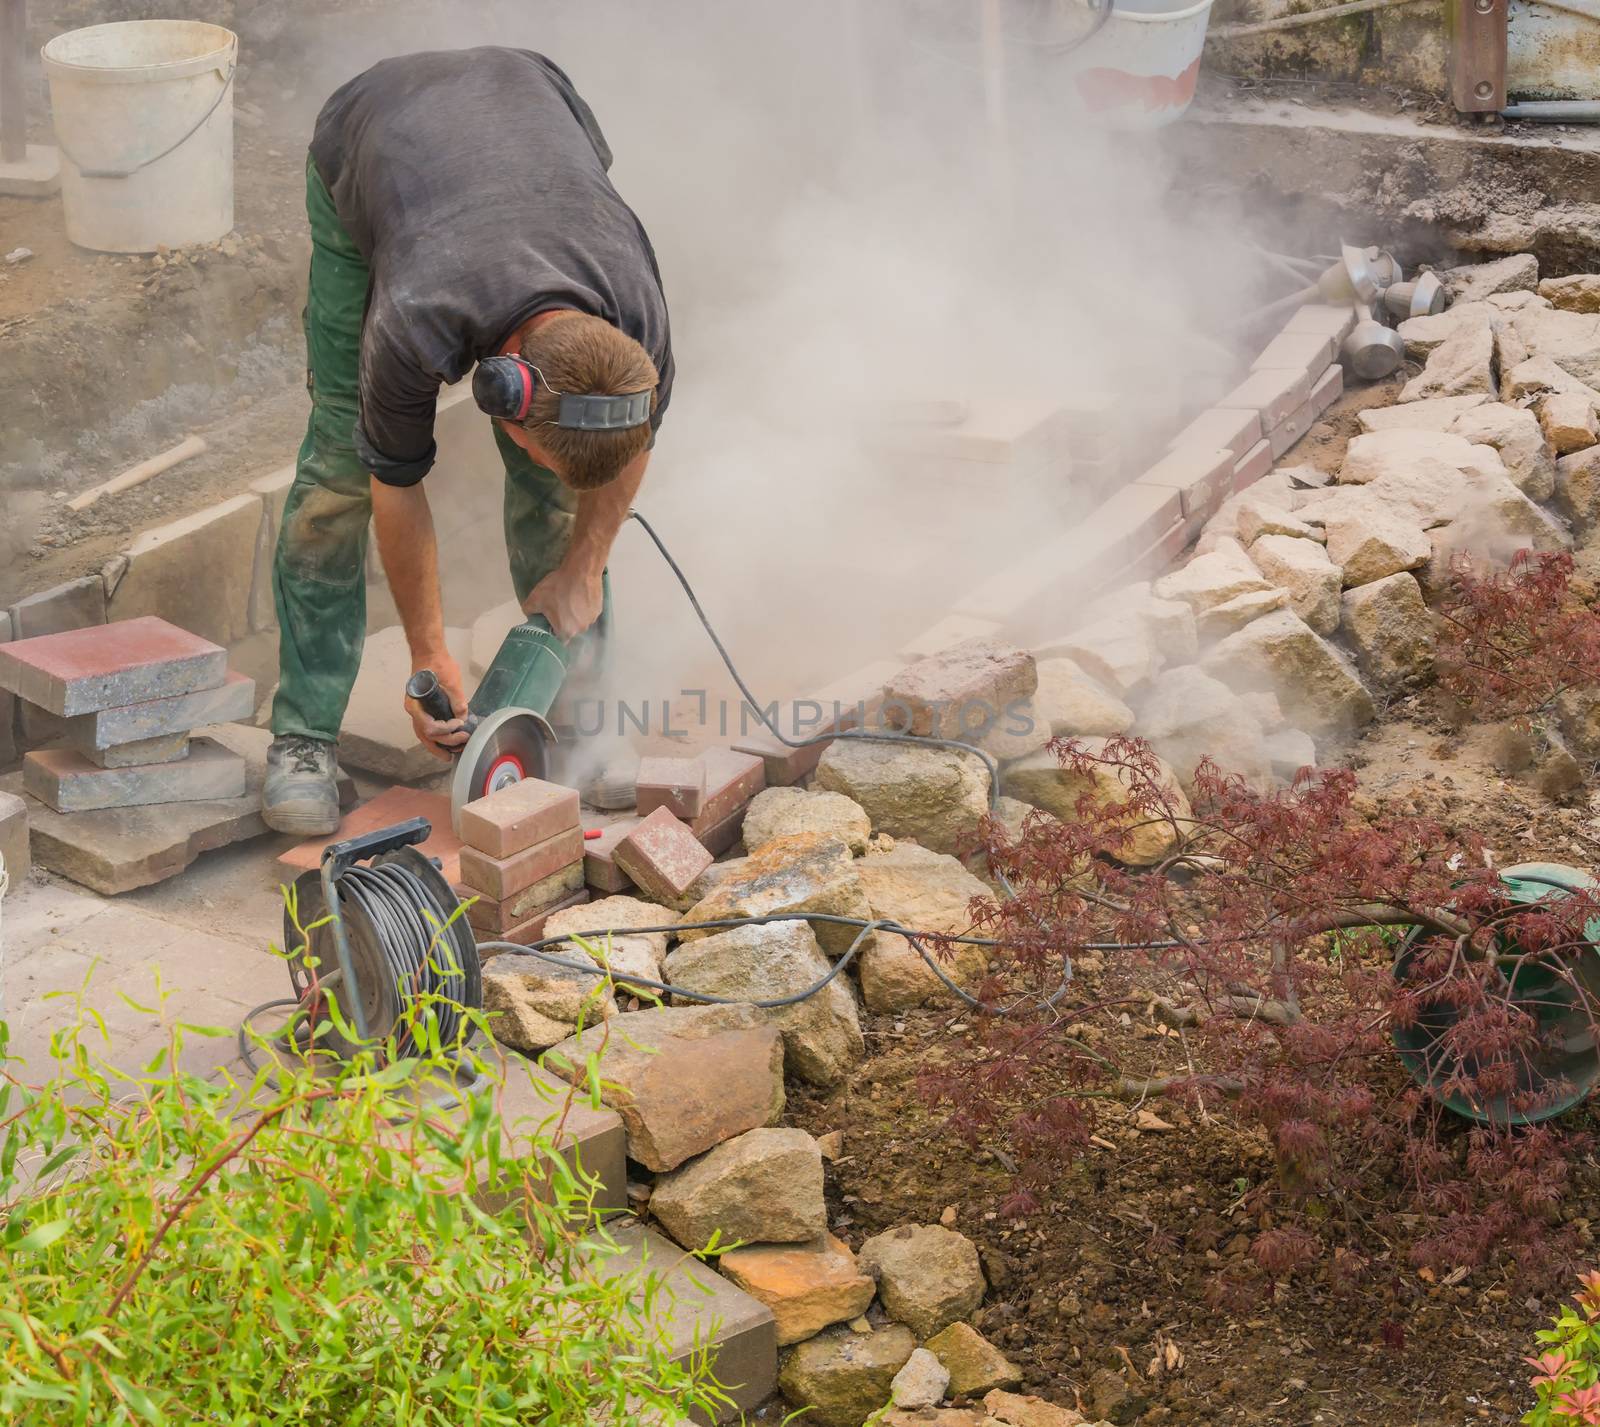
{"x": 571, "y": 599}
{"x": 439, "y": 738}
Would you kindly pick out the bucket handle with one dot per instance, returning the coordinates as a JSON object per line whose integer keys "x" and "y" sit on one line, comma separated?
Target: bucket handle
{"x": 154, "y": 158}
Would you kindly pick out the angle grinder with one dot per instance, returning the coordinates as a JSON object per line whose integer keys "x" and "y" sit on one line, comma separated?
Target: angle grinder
{"x": 510, "y": 737}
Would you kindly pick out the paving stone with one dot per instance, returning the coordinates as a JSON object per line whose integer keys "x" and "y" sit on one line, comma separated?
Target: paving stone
{"x": 928, "y": 1276}
{"x": 808, "y": 1287}
{"x": 843, "y": 1377}
{"x": 168, "y": 749}
{"x": 1274, "y": 392}
{"x": 934, "y": 795}
{"x": 600, "y": 868}
{"x": 523, "y": 933}
{"x": 1518, "y": 437}
{"x": 676, "y": 784}
{"x": 1252, "y": 466}
{"x": 960, "y": 691}
{"x": 721, "y": 837}
{"x": 1437, "y": 413}
{"x": 232, "y": 701}
{"x": 72, "y": 605}
{"x": 1392, "y": 632}
{"x": 782, "y": 766}
{"x": 1327, "y": 389}
{"x": 821, "y": 1035}
{"x": 683, "y": 1078}
{"x": 707, "y": 1317}
{"x": 761, "y": 1187}
{"x": 609, "y": 927}
{"x": 662, "y": 856}
{"x": 1328, "y": 319}
{"x": 376, "y": 735}
{"x": 83, "y": 670}
{"x": 1309, "y": 352}
{"x": 807, "y": 872}
{"x": 193, "y": 571}
{"x": 1202, "y": 477}
{"x": 975, "y": 1365}
{"x": 1217, "y": 426}
{"x": 518, "y": 817}
{"x": 1318, "y": 690}
{"x": 393, "y": 805}
{"x": 1568, "y": 422}
{"x": 732, "y": 779}
{"x": 63, "y": 779}
{"x": 499, "y": 917}
{"x": 503, "y": 878}
{"x": 783, "y": 812}
{"x": 15, "y": 858}
{"x": 925, "y": 891}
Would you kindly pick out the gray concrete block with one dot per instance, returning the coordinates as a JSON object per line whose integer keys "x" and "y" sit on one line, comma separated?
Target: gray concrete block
{"x": 64, "y": 780}
{"x": 72, "y": 605}
{"x": 232, "y": 701}
{"x": 145, "y": 751}
{"x": 197, "y": 572}
{"x": 82, "y": 671}
{"x": 702, "y": 1309}
{"x": 14, "y": 855}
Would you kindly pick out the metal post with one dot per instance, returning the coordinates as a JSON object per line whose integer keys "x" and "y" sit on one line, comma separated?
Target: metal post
{"x": 13, "y": 110}
{"x": 1477, "y": 30}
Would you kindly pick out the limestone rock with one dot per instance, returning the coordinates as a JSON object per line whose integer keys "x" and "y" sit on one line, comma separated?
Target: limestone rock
{"x": 1392, "y": 632}
{"x": 1223, "y": 619}
{"x": 534, "y": 1005}
{"x": 1042, "y": 781}
{"x": 1473, "y": 282}
{"x": 1425, "y": 335}
{"x": 761, "y": 1187}
{"x": 1119, "y": 651}
{"x": 1317, "y": 689}
{"x": 822, "y": 1034}
{"x": 1214, "y": 579}
{"x": 1493, "y": 510}
{"x": 627, "y": 954}
{"x": 1375, "y": 543}
{"x": 976, "y": 1366}
{"x": 514, "y": 1018}
{"x": 1302, "y": 569}
{"x": 1569, "y": 339}
{"x": 1288, "y": 751}
{"x": 1509, "y": 349}
{"x": 1578, "y": 488}
{"x": 808, "y": 1287}
{"x": 1578, "y": 718}
{"x": 683, "y": 1079}
{"x": 1538, "y": 375}
{"x": 1461, "y": 365}
{"x": 935, "y": 795}
{"x": 1569, "y": 424}
{"x": 783, "y": 812}
{"x": 1578, "y": 292}
{"x": 804, "y": 873}
{"x": 1073, "y": 704}
{"x": 1436, "y": 413}
{"x": 1019, "y": 731}
{"x": 922, "y": 1382}
{"x": 1016, "y": 1410}
{"x": 844, "y": 1377}
{"x": 1518, "y": 437}
{"x": 1257, "y": 519}
{"x": 1405, "y": 452}
{"x": 928, "y": 1277}
{"x": 928, "y": 891}
{"x": 1190, "y": 716}
{"x": 1171, "y": 627}
{"x": 1262, "y": 705}
{"x": 1182, "y": 699}
{"x": 961, "y": 691}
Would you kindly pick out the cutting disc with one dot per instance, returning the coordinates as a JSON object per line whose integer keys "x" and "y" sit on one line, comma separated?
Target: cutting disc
{"x": 508, "y": 746}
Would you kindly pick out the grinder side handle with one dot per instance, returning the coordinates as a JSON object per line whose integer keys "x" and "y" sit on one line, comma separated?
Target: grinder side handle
{"x": 425, "y": 688}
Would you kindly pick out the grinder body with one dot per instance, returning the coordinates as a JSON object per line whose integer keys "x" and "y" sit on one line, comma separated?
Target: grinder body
{"x": 527, "y": 673}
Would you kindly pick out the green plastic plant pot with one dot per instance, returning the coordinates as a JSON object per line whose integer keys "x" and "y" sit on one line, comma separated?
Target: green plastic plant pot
{"x": 1566, "y": 1068}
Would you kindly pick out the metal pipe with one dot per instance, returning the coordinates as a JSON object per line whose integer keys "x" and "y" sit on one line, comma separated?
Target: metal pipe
{"x": 1556, "y": 111}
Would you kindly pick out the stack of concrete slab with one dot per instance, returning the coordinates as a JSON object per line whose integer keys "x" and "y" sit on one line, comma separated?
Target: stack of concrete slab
{"x": 521, "y": 859}
{"x": 687, "y": 811}
{"x": 130, "y": 696}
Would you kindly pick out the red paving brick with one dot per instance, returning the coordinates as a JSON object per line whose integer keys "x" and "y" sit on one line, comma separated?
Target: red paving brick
{"x": 676, "y": 784}
{"x": 782, "y": 766}
{"x": 719, "y": 837}
{"x": 497, "y": 918}
{"x": 732, "y": 779}
{"x": 1257, "y": 462}
{"x": 967, "y": 686}
{"x": 395, "y": 805}
{"x": 517, "y": 817}
{"x": 105, "y": 666}
{"x": 503, "y": 877}
{"x": 600, "y": 868}
{"x": 662, "y": 856}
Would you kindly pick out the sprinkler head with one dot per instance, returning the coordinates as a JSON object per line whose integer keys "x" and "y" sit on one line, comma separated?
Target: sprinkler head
{"x": 1372, "y": 351}
{"x": 1385, "y": 270}
{"x": 1423, "y": 298}
{"x": 1351, "y": 279}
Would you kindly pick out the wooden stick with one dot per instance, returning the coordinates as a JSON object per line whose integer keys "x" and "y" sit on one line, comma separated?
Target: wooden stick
{"x": 138, "y": 475}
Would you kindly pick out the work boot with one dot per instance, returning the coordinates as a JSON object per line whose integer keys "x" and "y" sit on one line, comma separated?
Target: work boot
{"x": 301, "y": 794}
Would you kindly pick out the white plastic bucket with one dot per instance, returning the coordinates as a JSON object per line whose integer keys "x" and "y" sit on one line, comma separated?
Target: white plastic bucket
{"x": 144, "y": 121}
{"x": 1139, "y": 71}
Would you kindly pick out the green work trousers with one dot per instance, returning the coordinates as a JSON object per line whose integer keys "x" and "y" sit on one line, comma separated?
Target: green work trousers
{"x": 319, "y": 568}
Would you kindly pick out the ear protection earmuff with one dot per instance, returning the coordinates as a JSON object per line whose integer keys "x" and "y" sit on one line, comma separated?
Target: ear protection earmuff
{"x": 504, "y": 387}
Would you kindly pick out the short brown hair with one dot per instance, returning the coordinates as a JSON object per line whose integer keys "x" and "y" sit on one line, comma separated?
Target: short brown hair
{"x": 584, "y": 354}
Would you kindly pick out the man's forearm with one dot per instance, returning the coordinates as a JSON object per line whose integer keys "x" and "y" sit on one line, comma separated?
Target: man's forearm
{"x": 410, "y": 556}
{"x": 600, "y": 516}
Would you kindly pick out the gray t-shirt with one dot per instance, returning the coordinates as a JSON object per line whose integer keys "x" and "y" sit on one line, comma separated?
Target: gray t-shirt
{"x": 474, "y": 183}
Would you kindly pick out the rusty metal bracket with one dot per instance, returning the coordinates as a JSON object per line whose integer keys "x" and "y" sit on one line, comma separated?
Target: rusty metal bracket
{"x": 1477, "y": 34}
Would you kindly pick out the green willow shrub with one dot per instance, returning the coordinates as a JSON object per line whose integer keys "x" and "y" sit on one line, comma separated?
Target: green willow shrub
{"x": 306, "y": 1248}
{"x": 1566, "y": 1376}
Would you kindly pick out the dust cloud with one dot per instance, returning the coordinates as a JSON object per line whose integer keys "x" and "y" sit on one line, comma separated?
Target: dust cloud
{"x": 841, "y": 222}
